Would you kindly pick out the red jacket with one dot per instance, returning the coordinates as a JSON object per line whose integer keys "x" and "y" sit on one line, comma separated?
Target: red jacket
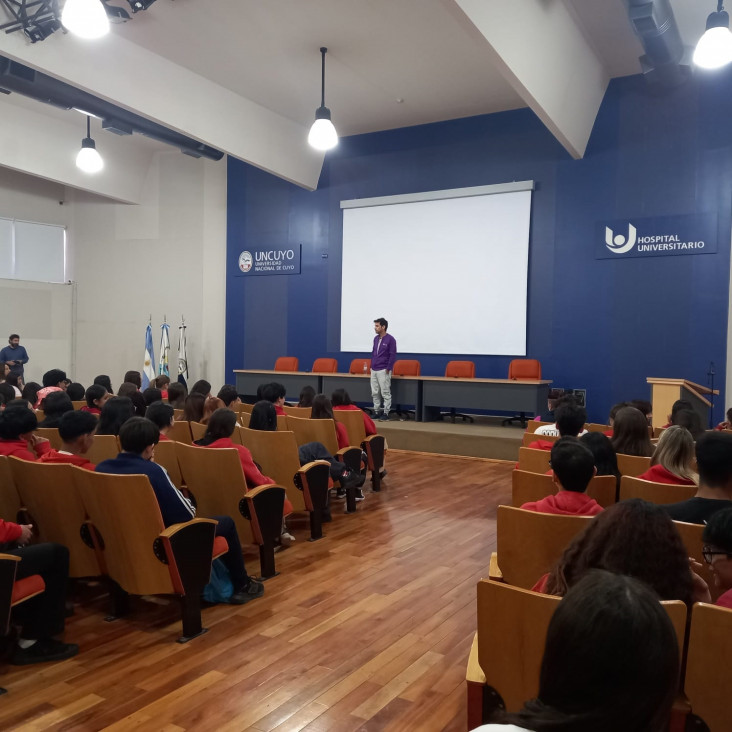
{"x": 280, "y": 411}
{"x": 659, "y": 474}
{"x": 91, "y": 410}
{"x": 368, "y": 423}
{"x": 54, "y": 456}
{"x": 342, "y": 435}
{"x": 541, "y": 445}
{"x": 21, "y": 449}
{"x": 725, "y": 599}
{"x": 9, "y": 531}
{"x": 568, "y": 503}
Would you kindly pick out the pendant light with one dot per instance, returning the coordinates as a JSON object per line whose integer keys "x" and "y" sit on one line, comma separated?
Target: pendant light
{"x": 714, "y": 49}
{"x": 323, "y": 135}
{"x": 85, "y": 18}
{"x": 88, "y": 159}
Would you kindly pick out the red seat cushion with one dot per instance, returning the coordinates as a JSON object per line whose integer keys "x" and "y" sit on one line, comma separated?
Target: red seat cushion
{"x": 220, "y": 547}
{"x": 24, "y": 588}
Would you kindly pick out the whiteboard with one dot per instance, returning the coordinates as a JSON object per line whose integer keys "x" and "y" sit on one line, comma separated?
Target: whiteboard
{"x": 450, "y": 275}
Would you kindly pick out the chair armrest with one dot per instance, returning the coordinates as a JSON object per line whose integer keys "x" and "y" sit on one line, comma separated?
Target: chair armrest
{"x": 187, "y": 549}
{"x": 173, "y": 529}
{"x": 264, "y": 507}
{"x": 350, "y": 456}
{"x": 375, "y": 447}
{"x": 312, "y": 480}
{"x": 474, "y": 672}
{"x": 10, "y": 557}
{"x": 494, "y": 571}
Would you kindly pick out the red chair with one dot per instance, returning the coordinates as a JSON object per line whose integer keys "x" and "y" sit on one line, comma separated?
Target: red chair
{"x": 286, "y": 363}
{"x": 525, "y": 369}
{"x": 325, "y": 366}
{"x": 406, "y": 367}
{"x": 459, "y": 370}
{"x": 357, "y": 366}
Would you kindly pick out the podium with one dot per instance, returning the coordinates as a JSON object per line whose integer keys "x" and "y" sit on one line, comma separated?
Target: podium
{"x": 664, "y": 392}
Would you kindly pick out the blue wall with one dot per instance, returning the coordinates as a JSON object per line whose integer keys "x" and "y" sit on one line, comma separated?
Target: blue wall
{"x": 604, "y": 325}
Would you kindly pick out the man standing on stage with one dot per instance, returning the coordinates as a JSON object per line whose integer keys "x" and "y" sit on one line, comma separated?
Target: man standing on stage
{"x": 383, "y": 356}
{"x": 14, "y": 355}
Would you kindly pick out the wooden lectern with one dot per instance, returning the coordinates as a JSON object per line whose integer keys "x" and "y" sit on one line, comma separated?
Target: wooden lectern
{"x": 664, "y": 392}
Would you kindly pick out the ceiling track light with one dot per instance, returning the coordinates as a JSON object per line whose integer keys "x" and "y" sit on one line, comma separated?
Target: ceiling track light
{"x": 714, "y": 49}
{"x": 88, "y": 159}
{"x": 323, "y": 135}
{"x": 138, "y": 5}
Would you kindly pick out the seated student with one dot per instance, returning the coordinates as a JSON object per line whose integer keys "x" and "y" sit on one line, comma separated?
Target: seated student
{"x": 606, "y": 461}
{"x": 307, "y": 394}
{"x": 689, "y": 419}
{"x": 16, "y": 381}
{"x": 673, "y": 458}
{"x": 211, "y": 404}
{"x": 322, "y": 409}
{"x": 717, "y": 550}
{"x": 134, "y": 377}
{"x": 275, "y": 393}
{"x": 30, "y": 392}
{"x": 53, "y": 380}
{"x": 96, "y": 397}
{"x": 115, "y": 413}
{"x": 7, "y": 393}
{"x": 630, "y": 433}
{"x": 727, "y": 424}
{"x": 644, "y": 407}
{"x": 341, "y": 400}
{"x": 552, "y": 403}
{"x": 611, "y": 662}
{"x": 162, "y": 415}
{"x": 54, "y": 406}
{"x": 105, "y": 381}
{"x": 76, "y": 430}
{"x": 611, "y": 417}
{"x": 43, "y": 616}
{"x": 193, "y": 408}
{"x": 675, "y": 407}
{"x": 131, "y": 391}
{"x": 162, "y": 382}
{"x": 138, "y": 437}
{"x": 201, "y": 387}
{"x": 229, "y": 395}
{"x": 20, "y": 403}
{"x": 75, "y": 391}
{"x": 573, "y": 468}
{"x": 714, "y": 462}
{"x": 570, "y": 423}
{"x": 16, "y": 434}
{"x": 152, "y": 394}
{"x": 177, "y": 395}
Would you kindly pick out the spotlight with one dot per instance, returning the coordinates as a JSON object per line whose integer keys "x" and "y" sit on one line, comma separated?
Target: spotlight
{"x": 88, "y": 159}
{"x": 85, "y": 18}
{"x": 40, "y": 31}
{"x": 714, "y": 49}
{"x": 323, "y": 135}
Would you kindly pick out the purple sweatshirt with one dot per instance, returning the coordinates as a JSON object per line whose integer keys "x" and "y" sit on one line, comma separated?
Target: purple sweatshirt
{"x": 386, "y": 356}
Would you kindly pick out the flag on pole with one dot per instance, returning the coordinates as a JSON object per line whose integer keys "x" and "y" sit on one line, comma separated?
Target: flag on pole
{"x": 148, "y": 370}
{"x": 182, "y": 357}
{"x": 163, "y": 366}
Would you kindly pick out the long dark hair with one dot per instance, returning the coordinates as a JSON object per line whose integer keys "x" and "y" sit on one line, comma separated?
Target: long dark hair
{"x": 115, "y": 412}
{"x": 222, "y": 424}
{"x": 193, "y": 407}
{"x": 105, "y": 381}
{"x": 307, "y": 394}
{"x": 630, "y": 433}
{"x": 611, "y": 661}
{"x": 263, "y": 417}
{"x": 602, "y": 450}
{"x": 340, "y": 398}
{"x": 30, "y": 391}
{"x": 322, "y": 408}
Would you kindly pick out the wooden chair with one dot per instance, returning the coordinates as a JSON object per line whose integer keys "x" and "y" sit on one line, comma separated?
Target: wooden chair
{"x": 594, "y": 427}
{"x": 165, "y": 456}
{"x": 535, "y": 461}
{"x": 181, "y": 432}
{"x": 10, "y": 504}
{"x": 529, "y": 543}
{"x": 216, "y": 480}
{"x": 286, "y": 363}
{"x": 244, "y": 408}
{"x": 142, "y": 557}
{"x": 178, "y": 414}
{"x": 527, "y": 487}
{"x": 303, "y": 412}
{"x": 707, "y": 683}
{"x": 660, "y": 493}
{"x": 50, "y": 496}
{"x": 530, "y": 437}
{"x": 658, "y": 431}
{"x": 357, "y": 366}
{"x": 104, "y": 447}
{"x": 244, "y": 418}
{"x": 198, "y": 430}
{"x": 534, "y": 425}
{"x": 78, "y": 404}
{"x": 691, "y": 535}
{"x": 374, "y": 445}
{"x": 325, "y": 366}
{"x": 40, "y": 415}
{"x": 633, "y": 465}
{"x": 306, "y": 486}
{"x": 51, "y": 434}
{"x": 282, "y": 422}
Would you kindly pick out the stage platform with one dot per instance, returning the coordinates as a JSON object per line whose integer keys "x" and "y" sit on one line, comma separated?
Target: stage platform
{"x": 485, "y": 438}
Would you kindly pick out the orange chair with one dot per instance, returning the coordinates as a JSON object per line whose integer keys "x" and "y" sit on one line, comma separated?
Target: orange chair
{"x": 286, "y": 363}
{"x": 528, "y": 369}
{"x": 406, "y": 368}
{"x": 357, "y": 366}
{"x": 325, "y": 366}
{"x": 459, "y": 370}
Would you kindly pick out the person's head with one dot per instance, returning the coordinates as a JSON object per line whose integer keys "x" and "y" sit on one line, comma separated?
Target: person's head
{"x": 14, "y": 340}
{"x": 634, "y": 538}
{"x": 229, "y": 395}
{"x": 30, "y": 391}
{"x": 644, "y": 407}
{"x": 161, "y": 414}
{"x": 340, "y": 398}
{"x": 675, "y": 452}
{"x": 133, "y": 377}
{"x": 717, "y": 539}
{"x": 176, "y": 395}
{"x": 7, "y": 393}
{"x": 552, "y": 399}
{"x": 221, "y": 425}
{"x": 14, "y": 380}
{"x": 4, "y": 370}
{"x": 274, "y": 393}
{"x": 76, "y": 430}
{"x": 201, "y": 387}
{"x": 714, "y": 460}
{"x": 211, "y": 404}
{"x": 690, "y": 420}
{"x": 380, "y": 326}
{"x": 126, "y": 389}
{"x": 307, "y": 394}
{"x": 139, "y": 436}
{"x": 19, "y": 402}
{"x": 96, "y": 396}
{"x": 676, "y": 406}
{"x": 55, "y": 404}
{"x": 152, "y": 394}
{"x": 573, "y": 464}
{"x": 161, "y": 382}
{"x": 55, "y": 377}
{"x": 570, "y": 419}
{"x": 729, "y": 415}
{"x": 603, "y": 453}
{"x": 322, "y": 408}
{"x": 115, "y": 413}
{"x": 611, "y": 661}
{"x": 17, "y": 423}
{"x": 630, "y": 433}
{"x": 193, "y": 407}
{"x": 105, "y": 381}
{"x": 75, "y": 391}
{"x": 263, "y": 417}
{"x": 614, "y": 410}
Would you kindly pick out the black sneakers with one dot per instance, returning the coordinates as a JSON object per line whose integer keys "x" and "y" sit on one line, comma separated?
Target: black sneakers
{"x": 42, "y": 651}
{"x": 251, "y": 592}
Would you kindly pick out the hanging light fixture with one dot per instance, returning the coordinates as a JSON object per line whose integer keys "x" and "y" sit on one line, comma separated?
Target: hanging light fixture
{"x": 88, "y": 159}
{"x": 714, "y": 49}
{"x": 323, "y": 135}
{"x": 85, "y": 18}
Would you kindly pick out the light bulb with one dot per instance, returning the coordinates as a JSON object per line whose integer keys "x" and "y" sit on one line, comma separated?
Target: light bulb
{"x": 85, "y": 18}
{"x": 88, "y": 159}
{"x": 714, "y": 49}
{"x": 323, "y": 135}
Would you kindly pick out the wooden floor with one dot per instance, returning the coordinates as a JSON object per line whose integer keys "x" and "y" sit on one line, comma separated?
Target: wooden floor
{"x": 367, "y": 629}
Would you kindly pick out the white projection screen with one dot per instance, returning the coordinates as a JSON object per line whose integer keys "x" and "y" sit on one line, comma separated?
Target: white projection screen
{"x": 449, "y": 274}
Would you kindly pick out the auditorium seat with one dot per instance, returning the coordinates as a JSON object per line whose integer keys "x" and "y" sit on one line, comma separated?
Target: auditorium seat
{"x": 180, "y": 431}
{"x": 51, "y": 434}
{"x": 104, "y": 447}
{"x": 166, "y": 457}
{"x": 528, "y": 369}
{"x": 325, "y": 366}
{"x": 357, "y": 366}
{"x": 459, "y": 370}
{"x": 527, "y": 487}
{"x": 198, "y": 430}
{"x": 529, "y": 437}
{"x": 691, "y": 535}
{"x": 633, "y": 465}
{"x": 659, "y": 493}
{"x": 535, "y": 461}
{"x": 286, "y": 363}
{"x": 373, "y": 445}
{"x": 10, "y": 504}
{"x": 78, "y": 404}
{"x": 303, "y": 412}
{"x": 406, "y": 367}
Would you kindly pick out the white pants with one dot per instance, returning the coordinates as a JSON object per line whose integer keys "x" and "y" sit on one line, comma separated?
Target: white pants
{"x": 381, "y": 388}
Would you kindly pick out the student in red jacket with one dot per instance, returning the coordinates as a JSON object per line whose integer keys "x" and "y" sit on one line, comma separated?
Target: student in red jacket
{"x": 341, "y": 400}
{"x": 574, "y": 467}
{"x": 76, "y": 431}
{"x": 322, "y": 409}
{"x": 673, "y": 458}
{"x": 96, "y": 397}
{"x": 570, "y": 422}
{"x": 727, "y": 424}
{"x": 275, "y": 393}
{"x": 162, "y": 415}
{"x": 16, "y": 434}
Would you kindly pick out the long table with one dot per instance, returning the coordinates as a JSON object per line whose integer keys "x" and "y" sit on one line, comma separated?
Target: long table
{"x": 428, "y": 394}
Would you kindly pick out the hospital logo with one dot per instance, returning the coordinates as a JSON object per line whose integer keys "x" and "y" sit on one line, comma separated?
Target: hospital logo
{"x": 618, "y": 244}
{"x": 246, "y": 261}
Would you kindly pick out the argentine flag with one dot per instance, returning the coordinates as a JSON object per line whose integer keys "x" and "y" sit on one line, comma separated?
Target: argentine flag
{"x": 163, "y": 368}
{"x": 148, "y": 370}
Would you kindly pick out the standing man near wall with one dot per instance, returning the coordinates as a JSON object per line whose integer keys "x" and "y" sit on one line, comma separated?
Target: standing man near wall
{"x": 383, "y": 356}
{"x": 14, "y": 355}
